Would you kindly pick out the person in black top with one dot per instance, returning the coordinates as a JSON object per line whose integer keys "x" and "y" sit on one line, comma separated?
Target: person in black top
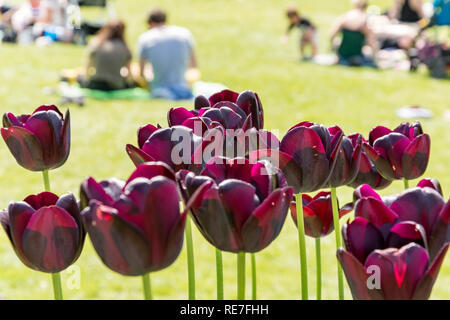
{"x": 308, "y": 30}
{"x": 409, "y": 11}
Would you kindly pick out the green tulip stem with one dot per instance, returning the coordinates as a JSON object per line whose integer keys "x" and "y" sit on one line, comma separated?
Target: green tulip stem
{"x": 337, "y": 232}
{"x": 56, "y": 277}
{"x": 219, "y": 272}
{"x": 302, "y": 246}
{"x": 254, "y": 296}
{"x": 241, "y": 276}
{"x": 57, "y": 288}
{"x": 147, "y": 287}
{"x": 406, "y": 184}
{"x": 318, "y": 271}
{"x": 190, "y": 259}
{"x": 46, "y": 180}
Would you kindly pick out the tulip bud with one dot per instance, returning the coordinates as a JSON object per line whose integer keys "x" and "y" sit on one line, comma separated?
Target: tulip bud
{"x": 40, "y": 141}
{"x": 45, "y": 231}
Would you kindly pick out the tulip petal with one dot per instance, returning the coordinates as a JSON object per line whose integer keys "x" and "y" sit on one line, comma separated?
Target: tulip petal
{"x": 380, "y": 162}
{"x": 309, "y": 168}
{"x": 368, "y": 174}
{"x": 201, "y": 102}
{"x": 401, "y": 270}
{"x": 392, "y": 147}
{"x": 215, "y": 223}
{"x": 121, "y": 246}
{"x": 365, "y": 191}
{"x": 419, "y": 205}
{"x": 374, "y": 210}
{"x": 416, "y": 156}
{"x": 176, "y": 116}
{"x": 405, "y": 232}
{"x": 221, "y": 169}
{"x": 266, "y": 222}
{"x": 431, "y": 183}
{"x": 425, "y": 286}
{"x": 51, "y": 239}
{"x": 150, "y": 170}
{"x": 356, "y": 276}
{"x": 225, "y": 95}
{"x": 361, "y": 238}
{"x": 154, "y": 217}
{"x": 25, "y": 147}
{"x": 92, "y": 190}
{"x": 441, "y": 232}
{"x": 378, "y": 132}
{"x": 300, "y": 138}
{"x": 19, "y": 214}
{"x": 47, "y": 127}
{"x": 239, "y": 198}
{"x": 144, "y": 133}
{"x": 48, "y": 107}
{"x": 40, "y": 200}
{"x": 65, "y": 142}
{"x": 137, "y": 155}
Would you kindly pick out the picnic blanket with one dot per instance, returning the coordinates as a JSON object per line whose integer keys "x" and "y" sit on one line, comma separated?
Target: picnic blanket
{"x": 74, "y": 93}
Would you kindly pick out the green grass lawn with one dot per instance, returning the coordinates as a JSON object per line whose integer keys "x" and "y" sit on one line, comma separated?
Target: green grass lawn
{"x": 238, "y": 44}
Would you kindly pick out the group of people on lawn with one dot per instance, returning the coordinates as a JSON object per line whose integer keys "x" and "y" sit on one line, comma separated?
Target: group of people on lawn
{"x": 169, "y": 50}
{"x": 357, "y": 35}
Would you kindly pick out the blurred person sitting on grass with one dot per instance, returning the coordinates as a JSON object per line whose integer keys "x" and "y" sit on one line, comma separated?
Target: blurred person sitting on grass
{"x": 109, "y": 60}
{"x": 37, "y": 18}
{"x": 407, "y": 11}
{"x": 307, "y": 29}
{"x": 355, "y": 35}
{"x": 169, "y": 50}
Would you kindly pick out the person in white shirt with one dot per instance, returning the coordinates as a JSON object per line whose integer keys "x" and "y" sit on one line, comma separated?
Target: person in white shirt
{"x": 170, "y": 52}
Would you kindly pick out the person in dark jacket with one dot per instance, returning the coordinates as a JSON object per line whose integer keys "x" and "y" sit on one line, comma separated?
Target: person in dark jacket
{"x": 307, "y": 29}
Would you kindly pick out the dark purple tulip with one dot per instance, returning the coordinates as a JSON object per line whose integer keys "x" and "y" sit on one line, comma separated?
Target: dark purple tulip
{"x": 422, "y": 206}
{"x": 431, "y": 183}
{"x": 228, "y": 116}
{"x": 39, "y": 141}
{"x": 247, "y": 105}
{"x": 224, "y": 95}
{"x": 135, "y": 227}
{"x": 368, "y": 173}
{"x": 242, "y": 206}
{"x": 160, "y": 144}
{"x": 318, "y": 214}
{"x": 348, "y": 160}
{"x": 45, "y": 231}
{"x": 405, "y": 273}
{"x": 307, "y": 156}
{"x": 401, "y": 153}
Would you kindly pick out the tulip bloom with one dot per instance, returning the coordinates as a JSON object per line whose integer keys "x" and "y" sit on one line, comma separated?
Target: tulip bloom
{"x": 157, "y": 144}
{"x": 399, "y": 154}
{"x": 40, "y": 141}
{"x": 318, "y": 214}
{"x": 45, "y": 231}
{"x": 348, "y": 160}
{"x": 242, "y": 207}
{"x": 307, "y": 156}
{"x": 431, "y": 183}
{"x": 226, "y": 108}
{"x": 419, "y": 214}
{"x": 133, "y": 231}
{"x": 404, "y": 274}
{"x": 248, "y": 101}
{"x": 367, "y": 173}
